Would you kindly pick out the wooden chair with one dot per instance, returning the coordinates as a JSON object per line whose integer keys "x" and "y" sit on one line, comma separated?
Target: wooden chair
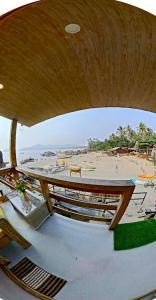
{"x": 4, "y": 261}
{"x": 9, "y": 233}
{"x": 33, "y": 278}
{"x": 75, "y": 169}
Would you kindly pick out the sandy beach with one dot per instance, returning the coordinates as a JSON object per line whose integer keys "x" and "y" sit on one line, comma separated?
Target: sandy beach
{"x": 106, "y": 167}
{"x": 110, "y": 167}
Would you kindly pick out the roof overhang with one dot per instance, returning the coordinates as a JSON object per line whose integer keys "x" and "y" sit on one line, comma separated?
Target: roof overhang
{"x": 47, "y": 72}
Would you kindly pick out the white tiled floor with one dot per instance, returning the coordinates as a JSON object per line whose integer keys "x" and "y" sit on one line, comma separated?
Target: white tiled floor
{"x": 83, "y": 254}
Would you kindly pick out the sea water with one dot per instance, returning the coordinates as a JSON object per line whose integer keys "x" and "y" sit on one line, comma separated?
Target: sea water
{"x": 36, "y": 154}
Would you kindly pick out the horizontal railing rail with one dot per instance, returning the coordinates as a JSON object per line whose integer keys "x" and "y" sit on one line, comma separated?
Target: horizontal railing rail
{"x": 74, "y": 206}
{"x": 80, "y": 216}
{"x": 85, "y": 204}
{"x": 82, "y": 184}
{"x": 5, "y": 171}
{"x": 139, "y": 196}
{"x": 7, "y": 175}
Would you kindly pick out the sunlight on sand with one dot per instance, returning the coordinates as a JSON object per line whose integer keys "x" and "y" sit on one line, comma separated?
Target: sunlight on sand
{"x": 100, "y": 166}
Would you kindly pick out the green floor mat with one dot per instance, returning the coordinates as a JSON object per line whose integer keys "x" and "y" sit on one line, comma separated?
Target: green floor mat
{"x": 132, "y": 235}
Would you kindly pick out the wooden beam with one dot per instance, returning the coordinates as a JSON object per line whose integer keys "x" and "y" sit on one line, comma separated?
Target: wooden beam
{"x": 13, "y": 159}
{"x": 83, "y": 184}
{"x": 46, "y": 195}
{"x": 125, "y": 199}
{"x": 80, "y": 216}
{"x": 77, "y": 202}
{"x": 7, "y": 183}
{"x": 5, "y": 171}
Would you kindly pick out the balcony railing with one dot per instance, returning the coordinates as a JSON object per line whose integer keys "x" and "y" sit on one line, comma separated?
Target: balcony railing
{"x": 82, "y": 199}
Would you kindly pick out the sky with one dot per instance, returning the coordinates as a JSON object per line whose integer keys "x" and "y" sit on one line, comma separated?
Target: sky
{"x": 76, "y": 128}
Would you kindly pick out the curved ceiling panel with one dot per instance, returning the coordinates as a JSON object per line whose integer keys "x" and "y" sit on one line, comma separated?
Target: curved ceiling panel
{"x": 46, "y": 71}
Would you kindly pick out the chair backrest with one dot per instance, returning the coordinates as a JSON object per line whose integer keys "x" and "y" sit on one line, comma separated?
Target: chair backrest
{"x": 10, "y": 233}
{"x": 2, "y": 214}
{"x": 4, "y": 238}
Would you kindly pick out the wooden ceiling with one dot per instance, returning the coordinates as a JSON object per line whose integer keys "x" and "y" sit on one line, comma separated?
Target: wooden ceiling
{"x": 46, "y": 72}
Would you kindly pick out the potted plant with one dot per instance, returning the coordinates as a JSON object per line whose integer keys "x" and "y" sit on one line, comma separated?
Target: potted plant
{"x": 21, "y": 189}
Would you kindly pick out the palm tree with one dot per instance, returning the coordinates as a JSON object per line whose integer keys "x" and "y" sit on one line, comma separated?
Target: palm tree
{"x": 149, "y": 132}
{"x": 130, "y": 134}
{"x": 142, "y": 130}
{"x": 121, "y": 132}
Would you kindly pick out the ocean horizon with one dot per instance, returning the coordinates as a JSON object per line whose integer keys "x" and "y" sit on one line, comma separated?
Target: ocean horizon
{"x": 36, "y": 154}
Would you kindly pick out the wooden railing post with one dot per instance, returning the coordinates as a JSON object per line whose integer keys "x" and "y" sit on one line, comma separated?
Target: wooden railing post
{"x": 16, "y": 174}
{"x": 124, "y": 201}
{"x": 13, "y": 159}
{"x": 46, "y": 195}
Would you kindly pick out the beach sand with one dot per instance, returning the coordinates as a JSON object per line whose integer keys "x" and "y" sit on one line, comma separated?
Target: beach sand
{"x": 106, "y": 167}
{"x": 110, "y": 167}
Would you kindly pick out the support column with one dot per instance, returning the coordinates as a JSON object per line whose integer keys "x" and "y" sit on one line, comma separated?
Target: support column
{"x": 13, "y": 159}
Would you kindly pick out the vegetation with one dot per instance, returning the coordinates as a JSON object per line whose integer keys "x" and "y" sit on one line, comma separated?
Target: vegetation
{"x": 20, "y": 187}
{"x": 142, "y": 138}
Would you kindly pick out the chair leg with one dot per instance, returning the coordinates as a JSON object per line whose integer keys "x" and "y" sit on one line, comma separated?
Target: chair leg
{"x": 4, "y": 261}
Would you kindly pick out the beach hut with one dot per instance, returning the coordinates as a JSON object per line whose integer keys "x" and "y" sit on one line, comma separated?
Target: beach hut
{"x": 119, "y": 150}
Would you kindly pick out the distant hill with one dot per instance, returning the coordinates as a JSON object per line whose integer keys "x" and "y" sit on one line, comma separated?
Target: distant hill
{"x": 52, "y": 147}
